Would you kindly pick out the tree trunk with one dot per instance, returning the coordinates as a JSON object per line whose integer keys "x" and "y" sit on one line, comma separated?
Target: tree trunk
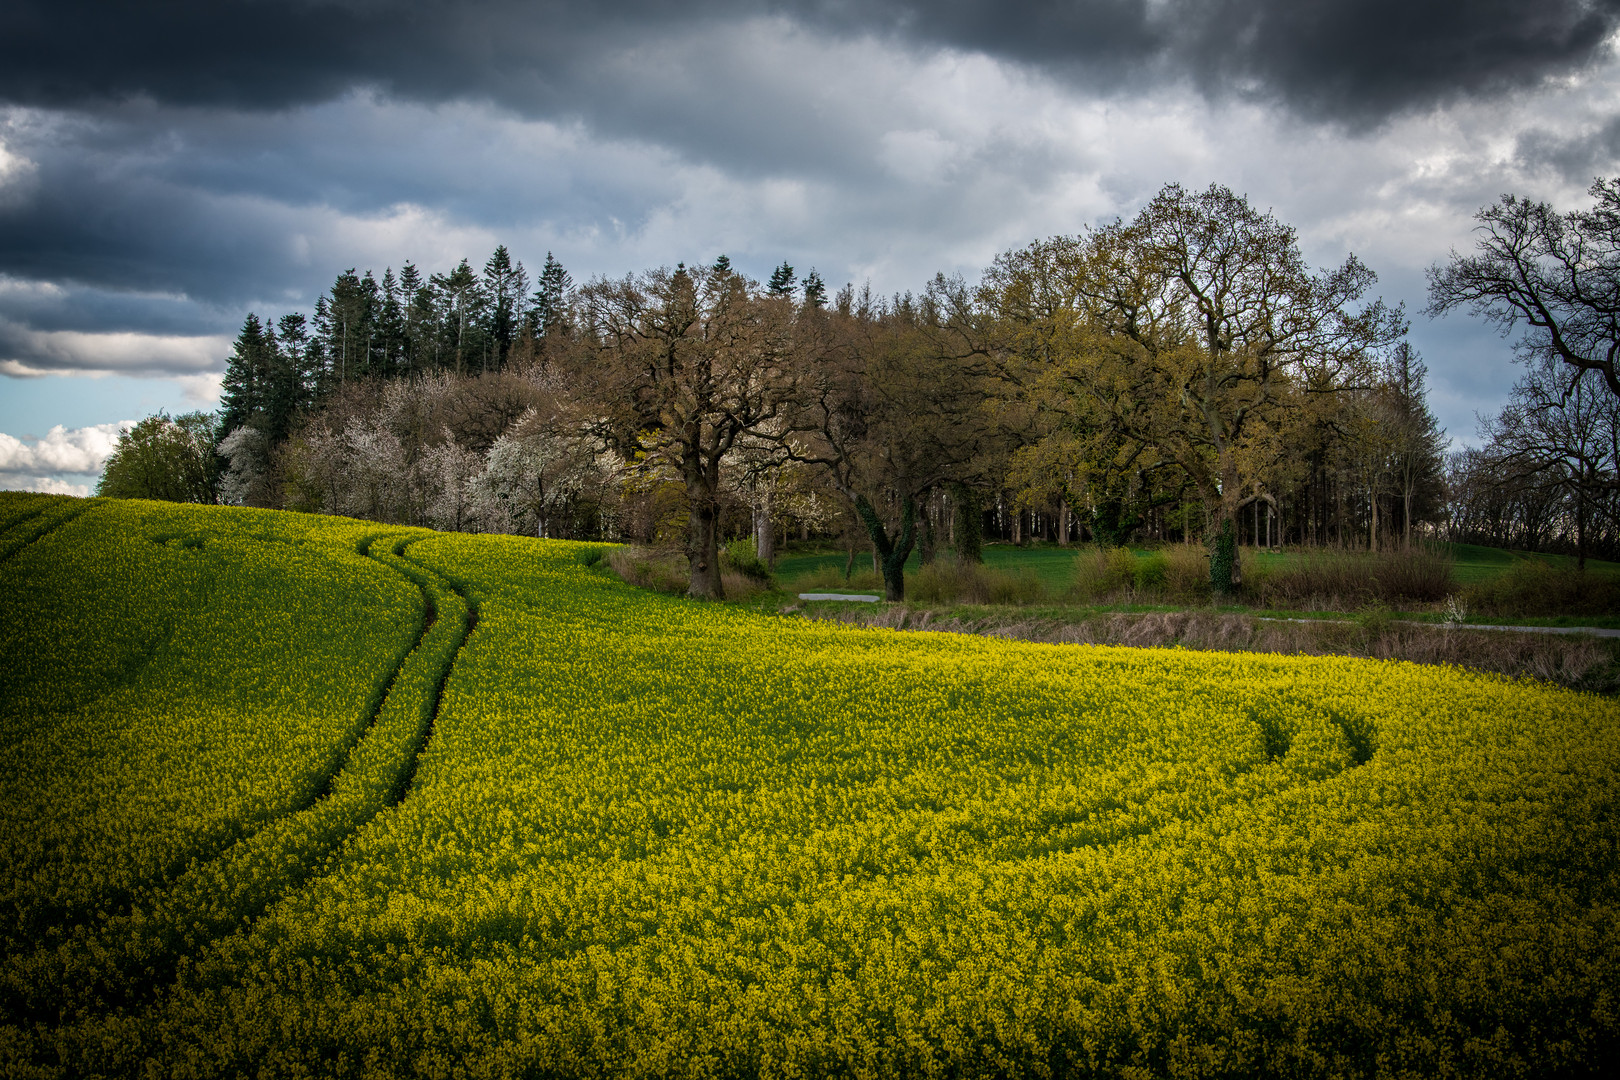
{"x": 967, "y": 530}
{"x": 765, "y": 532}
{"x": 1231, "y": 502}
{"x": 928, "y": 538}
{"x": 702, "y": 530}
{"x": 1063, "y": 523}
{"x": 1580, "y": 527}
{"x": 1372, "y": 526}
{"x": 1406, "y": 514}
{"x": 891, "y": 554}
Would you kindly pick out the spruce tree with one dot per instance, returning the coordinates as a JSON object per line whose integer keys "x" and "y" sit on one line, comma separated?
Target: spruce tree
{"x": 815, "y": 290}
{"x": 547, "y": 307}
{"x": 290, "y": 386}
{"x": 782, "y": 281}
{"x": 370, "y": 340}
{"x": 505, "y": 283}
{"x": 390, "y": 328}
{"x": 242, "y": 392}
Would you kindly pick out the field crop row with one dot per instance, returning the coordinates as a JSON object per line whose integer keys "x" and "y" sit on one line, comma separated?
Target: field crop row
{"x": 652, "y": 837}
{"x": 150, "y": 715}
{"x": 655, "y": 837}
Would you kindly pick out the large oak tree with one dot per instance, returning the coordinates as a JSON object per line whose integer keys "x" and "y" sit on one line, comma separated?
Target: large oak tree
{"x": 680, "y": 364}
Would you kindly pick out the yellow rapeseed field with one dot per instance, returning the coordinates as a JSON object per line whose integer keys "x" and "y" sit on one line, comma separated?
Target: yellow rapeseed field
{"x": 634, "y": 835}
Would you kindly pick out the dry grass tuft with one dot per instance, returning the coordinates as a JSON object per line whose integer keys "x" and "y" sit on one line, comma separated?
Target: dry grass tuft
{"x": 664, "y": 570}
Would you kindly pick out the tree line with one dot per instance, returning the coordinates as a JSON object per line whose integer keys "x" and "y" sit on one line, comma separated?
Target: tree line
{"x": 1182, "y": 376}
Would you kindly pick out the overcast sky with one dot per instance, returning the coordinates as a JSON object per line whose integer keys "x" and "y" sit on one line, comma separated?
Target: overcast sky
{"x": 166, "y": 168}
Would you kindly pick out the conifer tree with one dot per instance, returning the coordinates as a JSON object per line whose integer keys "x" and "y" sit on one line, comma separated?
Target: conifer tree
{"x": 546, "y": 308}
{"x": 782, "y": 281}
{"x": 504, "y": 286}
{"x": 242, "y": 392}
{"x": 390, "y": 328}
{"x": 815, "y": 290}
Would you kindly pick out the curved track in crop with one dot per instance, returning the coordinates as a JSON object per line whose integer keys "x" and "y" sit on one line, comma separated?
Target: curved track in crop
{"x": 132, "y": 946}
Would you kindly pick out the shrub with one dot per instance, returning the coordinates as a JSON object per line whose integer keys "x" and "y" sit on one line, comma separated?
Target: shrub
{"x": 1150, "y": 572}
{"x": 661, "y": 571}
{"x": 1336, "y": 578}
{"x": 831, "y": 579}
{"x": 1178, "y": 572}
{"x": 947, "y": 581}
{"x": 1100, "y": 572}
{"x": 1533, "y": 587}
{"x": 741, "y": 556}
{"x": 1186, "y": 573}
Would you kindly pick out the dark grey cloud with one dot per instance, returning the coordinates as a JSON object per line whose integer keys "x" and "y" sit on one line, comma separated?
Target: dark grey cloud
{"x": 1357, "y": 61}
{"x": 1574, "y": 158}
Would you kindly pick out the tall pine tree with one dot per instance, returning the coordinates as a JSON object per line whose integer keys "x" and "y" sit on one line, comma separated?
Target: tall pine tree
{"x": 504, "y": 286}
{"x": 815, "y": 290}
{"x": 242, "y": 394}
{"x": 547, "y": 305}
{"x": 782, "y": 281}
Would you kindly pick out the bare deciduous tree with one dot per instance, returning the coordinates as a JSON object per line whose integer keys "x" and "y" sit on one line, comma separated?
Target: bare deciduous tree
{"x": 1557, "y": 275}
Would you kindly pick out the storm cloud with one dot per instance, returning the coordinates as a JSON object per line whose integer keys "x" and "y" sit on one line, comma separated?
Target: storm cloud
{"x": 166, "y": 168}
{"x": 1356, "y": 60}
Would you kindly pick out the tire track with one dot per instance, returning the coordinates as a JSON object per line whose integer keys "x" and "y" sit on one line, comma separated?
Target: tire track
{"x": 132, "y": 946}
{"x": 471, "y": 608}
{"x": 31, "y": 529}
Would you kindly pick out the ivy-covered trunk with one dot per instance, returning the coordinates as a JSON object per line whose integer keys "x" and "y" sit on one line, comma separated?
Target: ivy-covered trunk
{"x": 1223, "y": 560}
{"x": 891, "y": 553}
{"x": 1223, "y": 546}
{"x": 967, "y": 530}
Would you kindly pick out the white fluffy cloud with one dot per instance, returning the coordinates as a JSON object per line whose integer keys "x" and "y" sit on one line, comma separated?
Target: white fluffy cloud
{"x": 48, "y": 485}
{"x": 81, "y": 451}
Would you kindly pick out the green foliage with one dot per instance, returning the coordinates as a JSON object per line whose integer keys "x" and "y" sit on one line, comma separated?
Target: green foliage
{"x": 1374, "y": 618}
{"x": 782, "y": 281}
{"x": 741, "y": 556}
{"x": 1101, "y": 572}
{"x": 641, "y": 836}
{"x": 968, "y": 526}
{"x": 1151, "y": 571}
{"x": 164, "y": 458}
{"x": 1113, "y": 523}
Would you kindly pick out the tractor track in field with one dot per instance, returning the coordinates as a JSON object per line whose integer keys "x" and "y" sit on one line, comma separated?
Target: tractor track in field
{"x": 120, "y": 902}
{"x": 11, "y": 546}
{"x": 138, "y": 972}
{"x": 27, "y": 515}
{"x": 408, "y": 778}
